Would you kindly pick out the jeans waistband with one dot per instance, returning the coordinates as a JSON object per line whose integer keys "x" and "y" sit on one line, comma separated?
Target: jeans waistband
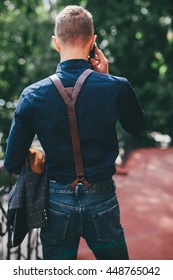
{"x": 103, "y": 187}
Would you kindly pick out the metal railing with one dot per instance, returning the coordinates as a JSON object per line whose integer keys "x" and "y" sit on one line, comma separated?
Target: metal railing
{"x": 31, "y": 246}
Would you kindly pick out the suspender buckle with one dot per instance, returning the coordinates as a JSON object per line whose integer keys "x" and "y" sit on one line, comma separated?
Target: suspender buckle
{"x": 81, "y": 181}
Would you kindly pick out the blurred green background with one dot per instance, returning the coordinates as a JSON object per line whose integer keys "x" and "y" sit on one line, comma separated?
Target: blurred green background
{"x": 135, "y": 35}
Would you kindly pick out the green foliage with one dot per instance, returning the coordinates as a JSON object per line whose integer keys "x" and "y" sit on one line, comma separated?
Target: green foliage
{"x": 25, "y": 50}
{"x": 136, "y": 36}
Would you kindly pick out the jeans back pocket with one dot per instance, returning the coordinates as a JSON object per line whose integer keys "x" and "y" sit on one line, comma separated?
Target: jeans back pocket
{"x": 107, "y": 224}
{"x": 57, "y": 226}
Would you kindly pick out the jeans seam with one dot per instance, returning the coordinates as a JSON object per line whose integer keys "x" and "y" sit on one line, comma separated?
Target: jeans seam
{"x": 80, "y": 222}
{"x": 75, "y": 208}
{"x": 102, "y": 204}
{"x": 107, "y": 210}
{"x": 64, "y": 206}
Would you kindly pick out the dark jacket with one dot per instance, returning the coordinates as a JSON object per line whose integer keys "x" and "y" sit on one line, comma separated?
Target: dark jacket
{"x": 29, "y": 194}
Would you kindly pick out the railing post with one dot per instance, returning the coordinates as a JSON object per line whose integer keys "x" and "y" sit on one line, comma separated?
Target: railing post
{"x": 9, "y": 243}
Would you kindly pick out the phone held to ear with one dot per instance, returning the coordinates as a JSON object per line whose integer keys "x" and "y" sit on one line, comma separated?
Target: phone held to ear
{"x": 93, "y": 51}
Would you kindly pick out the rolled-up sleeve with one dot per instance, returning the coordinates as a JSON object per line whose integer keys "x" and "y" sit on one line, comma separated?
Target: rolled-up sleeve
{"x": 130, "y": 113}
{"x": 20, "y": 136}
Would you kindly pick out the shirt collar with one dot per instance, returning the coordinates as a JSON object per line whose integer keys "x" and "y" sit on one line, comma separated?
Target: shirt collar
{"x": 73, "y": 64}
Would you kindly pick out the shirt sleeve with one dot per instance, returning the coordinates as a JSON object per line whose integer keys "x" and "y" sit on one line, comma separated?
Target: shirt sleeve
{"x": 20, "y": 136}
{"x": 130, "y": 114}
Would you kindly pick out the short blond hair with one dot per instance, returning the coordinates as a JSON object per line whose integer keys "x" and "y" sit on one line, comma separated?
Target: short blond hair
{"x": 74, "y": 23}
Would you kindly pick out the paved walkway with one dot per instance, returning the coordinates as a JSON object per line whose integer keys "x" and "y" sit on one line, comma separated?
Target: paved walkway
{"x": 146, "y": 202}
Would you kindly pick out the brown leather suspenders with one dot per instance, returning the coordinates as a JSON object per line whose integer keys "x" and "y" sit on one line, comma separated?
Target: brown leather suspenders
{"x": 70, "y": 95}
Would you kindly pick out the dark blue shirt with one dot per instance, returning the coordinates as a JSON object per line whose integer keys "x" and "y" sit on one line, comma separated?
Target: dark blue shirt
{"x": 103, "y": 100}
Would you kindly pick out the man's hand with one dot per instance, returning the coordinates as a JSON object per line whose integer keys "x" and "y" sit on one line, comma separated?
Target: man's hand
{"x": 100, "y": 62}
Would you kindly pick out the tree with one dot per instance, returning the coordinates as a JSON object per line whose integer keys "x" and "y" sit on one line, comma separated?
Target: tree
{"x": 25, "y": 51}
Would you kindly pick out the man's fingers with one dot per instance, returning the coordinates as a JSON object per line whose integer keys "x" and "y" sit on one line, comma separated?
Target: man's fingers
{"x": 94, "y": 62}
{"x": 100, "y": 62}
{"x": 100, "y": 54}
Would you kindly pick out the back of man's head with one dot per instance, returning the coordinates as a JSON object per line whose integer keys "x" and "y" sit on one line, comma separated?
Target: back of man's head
{"x": 74, "y": 25}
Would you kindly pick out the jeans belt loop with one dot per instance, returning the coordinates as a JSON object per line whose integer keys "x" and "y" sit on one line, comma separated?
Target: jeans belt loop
{"x": 78, "y": 189}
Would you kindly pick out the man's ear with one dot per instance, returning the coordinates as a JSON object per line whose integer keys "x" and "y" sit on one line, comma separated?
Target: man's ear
{"x": 56, "y": 43}
{"x": 93, "y": 41}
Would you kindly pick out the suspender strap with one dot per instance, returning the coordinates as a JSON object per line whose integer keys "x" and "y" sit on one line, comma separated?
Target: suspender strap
{"x": 70, "y": 95}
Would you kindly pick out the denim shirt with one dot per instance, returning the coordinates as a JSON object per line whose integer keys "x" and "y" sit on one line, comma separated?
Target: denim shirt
{"x": 102, "y": 101}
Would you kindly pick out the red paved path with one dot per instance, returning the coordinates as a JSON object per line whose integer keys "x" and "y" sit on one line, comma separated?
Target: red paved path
{"x": 146, "y": 202}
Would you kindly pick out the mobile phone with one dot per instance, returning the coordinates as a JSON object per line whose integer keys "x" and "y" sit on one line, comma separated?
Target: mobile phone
{"x": 93, "y": 51}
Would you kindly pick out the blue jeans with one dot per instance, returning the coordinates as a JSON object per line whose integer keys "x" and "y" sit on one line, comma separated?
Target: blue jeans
{"x": 93, "y": 215}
